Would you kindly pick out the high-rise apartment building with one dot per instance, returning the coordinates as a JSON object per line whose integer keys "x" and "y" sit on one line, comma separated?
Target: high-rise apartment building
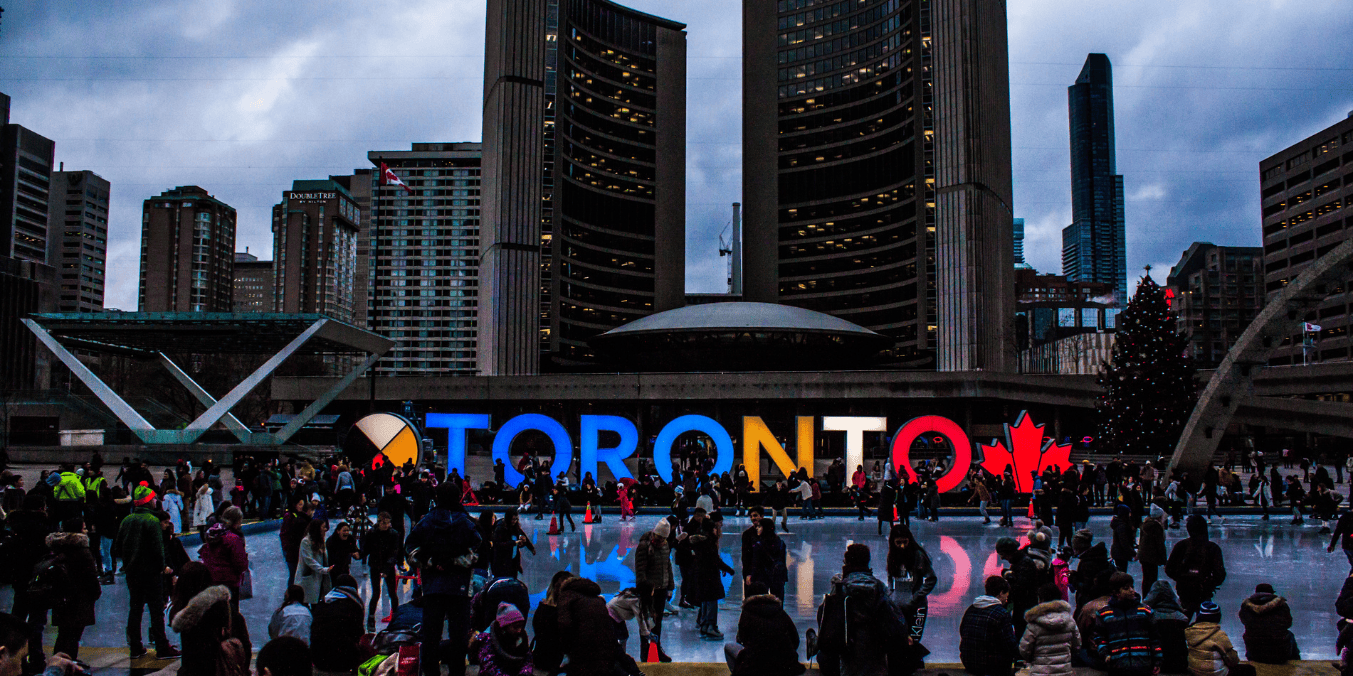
{"x": 25, "y": 190}
{"x": 187, "y": 252}
{"x": 424, "y": 259}
{"x": 1307, "y": 192}
{"x": 253, "y": 290}
{"x": 584, "y": 169}
{"x": 28, "y": 282}
{"x": 1094, "y": 246}
{"x": 79, "y": 230}
{"x": 360, "y": 185}
{"x": 314, "y": 232}
{"x": 1215, "y": 291}
{"x": 876, "y": 172}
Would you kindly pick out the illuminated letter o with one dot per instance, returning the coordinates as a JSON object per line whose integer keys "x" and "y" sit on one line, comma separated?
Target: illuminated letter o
{"x": 662, "y": 446}
{"x": 950, "y": 429}
{"x": 502, "y": 443}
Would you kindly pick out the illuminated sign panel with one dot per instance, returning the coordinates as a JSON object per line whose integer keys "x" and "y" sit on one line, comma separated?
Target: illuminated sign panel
{"x": 1023, "y": 450}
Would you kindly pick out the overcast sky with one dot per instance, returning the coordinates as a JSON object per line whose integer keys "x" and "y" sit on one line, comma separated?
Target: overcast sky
{"x": 242, "y": 97}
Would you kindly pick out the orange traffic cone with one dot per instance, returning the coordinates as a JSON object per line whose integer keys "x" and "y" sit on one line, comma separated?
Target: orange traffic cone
{"x": 587, "y": 515}
{"x": 554, "y": 525}
{"x": 652, "y": 655}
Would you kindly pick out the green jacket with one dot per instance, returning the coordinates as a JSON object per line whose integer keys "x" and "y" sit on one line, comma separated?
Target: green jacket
{"x": 70, "y": 488}
{"x": 140, "y": 544}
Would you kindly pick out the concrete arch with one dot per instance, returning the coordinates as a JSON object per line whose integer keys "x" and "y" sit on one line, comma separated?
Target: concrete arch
{"x": 1233, "y": 383}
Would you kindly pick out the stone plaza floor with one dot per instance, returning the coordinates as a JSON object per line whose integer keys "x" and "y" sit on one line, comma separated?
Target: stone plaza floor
{"x": 1292, "y": 558}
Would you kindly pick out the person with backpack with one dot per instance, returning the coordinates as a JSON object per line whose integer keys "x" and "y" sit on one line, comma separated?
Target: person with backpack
{"x": 442, "y": 545}
{"x": 911, "y": 578}
{"x": 855, "y": 620}
{"x": 336, "y": 627}
{"x": 986, "y": 638}
{"x": 1196, "y": 565}
{"x": 71, "y": 584}
{"x": 140, "y": 545}
{"x": 653, "y": 577}
{"x": 1123, "y": 634}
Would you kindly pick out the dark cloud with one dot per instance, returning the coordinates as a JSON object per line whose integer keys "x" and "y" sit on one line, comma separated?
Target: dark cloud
{"x": 244, "y": 97}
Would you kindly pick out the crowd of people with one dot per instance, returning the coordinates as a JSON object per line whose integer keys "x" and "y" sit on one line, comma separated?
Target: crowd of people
{"x": 1064, "y": 599}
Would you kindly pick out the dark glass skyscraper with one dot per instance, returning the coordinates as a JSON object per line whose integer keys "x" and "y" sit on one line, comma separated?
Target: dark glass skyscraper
{"x": 1094, "y": 246}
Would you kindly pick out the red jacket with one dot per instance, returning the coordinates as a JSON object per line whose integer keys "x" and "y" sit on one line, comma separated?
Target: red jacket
{"x": 222, "y": 552}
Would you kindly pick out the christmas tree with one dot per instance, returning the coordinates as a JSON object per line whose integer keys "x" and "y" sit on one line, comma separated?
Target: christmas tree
{"x": 1148, "y": 388}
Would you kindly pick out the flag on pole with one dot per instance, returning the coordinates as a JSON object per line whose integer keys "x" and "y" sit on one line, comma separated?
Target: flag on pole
{"x": 1312, "y": 328}
{"x": 389, "y": 178}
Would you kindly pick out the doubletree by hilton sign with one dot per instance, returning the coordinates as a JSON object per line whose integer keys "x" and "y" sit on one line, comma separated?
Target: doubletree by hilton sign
{"x": 1023, "y": 450}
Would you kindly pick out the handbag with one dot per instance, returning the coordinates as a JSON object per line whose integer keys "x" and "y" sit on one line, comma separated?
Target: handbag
{"x": 247, "y": 583}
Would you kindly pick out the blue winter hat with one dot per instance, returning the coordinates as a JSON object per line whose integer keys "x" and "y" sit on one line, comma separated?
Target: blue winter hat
{"x": 1209, "y": 612}
{"x": 53, "y": 479}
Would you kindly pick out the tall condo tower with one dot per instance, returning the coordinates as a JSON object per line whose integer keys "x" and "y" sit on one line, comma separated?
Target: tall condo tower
{"x": 584, "y": 178}
{"x": 842, "y": 106}
{"x": 1094, "y": 246}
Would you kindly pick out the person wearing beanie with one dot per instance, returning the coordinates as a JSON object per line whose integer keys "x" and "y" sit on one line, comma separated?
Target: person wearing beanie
{"x": 653, "y": 577}
{"x": 865, "y": 635}
{"x": 1025, "y": 575}
{"x": 1268, "y": 627}
{"x": 1196, "y": 565}
{"x": 911, "y": 578}
{"x": 1123, "y": 633}
{"x": 1151, "y": 547}
{"x": 440, "y": 546}
{"x": 140, "y": 545}
{"x": 1210, "y": 650}
{"x": 68, "y": 494}
{"x": 503, "y": 649}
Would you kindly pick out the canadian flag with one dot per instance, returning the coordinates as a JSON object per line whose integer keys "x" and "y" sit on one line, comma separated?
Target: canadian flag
{"x": 389, "y": 178}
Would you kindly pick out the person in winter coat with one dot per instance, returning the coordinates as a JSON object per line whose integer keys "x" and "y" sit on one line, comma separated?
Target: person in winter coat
{"x": 293, "y": 618}
{"x": 383, "y": 551}
{"x": 586, "y": 629}
{"x": 1124, "y": 548}
{"x": 548, "y": 651}
{"x": 1024, "y": 576}
{"x": 203, "y": 507}
{"x": 1092, "y": 572}
{"x": 71, "y": 549}
{"x": 172, "y": 503}
{"x": 140, "y": 545}
{"x": 313, "y": 568}
{"x": 709, "y": 569}
{"x": 1196, "y": 565}
{"x": 342, "y": 549}
{"x": 441, "y": 545}
{"x": 1170, "y": 622}
{"x": 1123, "y": 633}
{"x": 215, "y": 638}
{"x": 769, "y": 564}
{"x": 294, "y": 524}
{"x": 986, "y": 637}
{"x": 223, "y": 552}
{"x": 1210, "y": 649}
{"x": 653, "y": 577}
{"x": 767, "y": 642}
{"x": 1151, "y": 547}
{"x": 865, "y": 626}
{"x": 508, "y": 541}
{"x": 1051, "y": 636}
{"x": 29, "y": 528}
{"x": 504, "y": 650}
{"x": 336, "y": 627}
{"x": 1268, "y": 627}
{"x": 911, "y": 578}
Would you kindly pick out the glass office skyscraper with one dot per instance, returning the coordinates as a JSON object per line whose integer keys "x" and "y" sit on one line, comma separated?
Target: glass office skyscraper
{"x": 1094, "y": 246}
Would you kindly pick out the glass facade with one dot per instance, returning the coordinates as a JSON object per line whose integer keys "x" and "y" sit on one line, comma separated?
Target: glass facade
{"x": 856, "y": 166}
{"x": 423, "y": 277}
{"x": 600, "y": 185}
{"x": 1094, "y": 246}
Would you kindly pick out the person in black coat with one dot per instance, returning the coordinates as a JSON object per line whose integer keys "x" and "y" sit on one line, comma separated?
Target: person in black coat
{"x": 768, "y": 560}
{"x": 508, "y": 539}
{"x": 383, "y": 551}
{"x": 548, "y": 650}
{"x": 709, "y": 569}
{"x": 336, "y": 627}
{"x": 1196, "y": 565}
{"x": 71, "y": 549}
{"x": 586, "y": 629}
{"x": 767, "y": 640}
{"x": 30, "y": 528}
{"x": 1093, "y": 571}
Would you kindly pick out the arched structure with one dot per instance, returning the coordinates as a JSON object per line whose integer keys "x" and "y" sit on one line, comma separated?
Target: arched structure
{"x": 1233, "y": 383}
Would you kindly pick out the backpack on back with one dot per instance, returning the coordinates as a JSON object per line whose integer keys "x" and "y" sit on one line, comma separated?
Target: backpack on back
{"x": 50, "y": 585}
